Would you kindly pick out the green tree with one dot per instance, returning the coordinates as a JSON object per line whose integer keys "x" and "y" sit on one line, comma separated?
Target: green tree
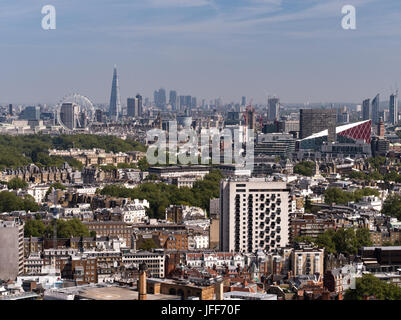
{"x": 392, "y": 206}
{"x": 34, "y": 228}
{"x": 325, "y": 240}
{"x": 143, "y": 164}
{"x": 369, "y": 285}
{"x": 9, "y": 201}
{"x": 17, "y": 183}
{"x": 67, "y": 229}
{"x": 304, "y": 168}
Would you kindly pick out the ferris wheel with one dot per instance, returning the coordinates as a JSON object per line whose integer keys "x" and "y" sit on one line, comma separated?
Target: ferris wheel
{"x": 84, "y": 106}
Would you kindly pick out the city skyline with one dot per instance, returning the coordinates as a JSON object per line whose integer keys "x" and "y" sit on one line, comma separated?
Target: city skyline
{"x": 252, "y": 48}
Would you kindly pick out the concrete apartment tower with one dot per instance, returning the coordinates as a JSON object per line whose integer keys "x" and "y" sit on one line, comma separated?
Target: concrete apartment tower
{"x": 254, "y": 215}
{"x": 11, "y": 249}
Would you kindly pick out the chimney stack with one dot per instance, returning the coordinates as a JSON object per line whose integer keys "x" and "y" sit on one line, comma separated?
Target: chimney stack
{"x": 142, "y": 281}
{"x": 219, "y": 291}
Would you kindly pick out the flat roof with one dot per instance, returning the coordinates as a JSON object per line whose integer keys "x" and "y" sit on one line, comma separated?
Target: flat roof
{"x": 118, "y": 293}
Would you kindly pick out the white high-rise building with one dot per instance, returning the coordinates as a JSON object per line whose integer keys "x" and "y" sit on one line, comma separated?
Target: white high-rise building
{"x": 254, "y": 215}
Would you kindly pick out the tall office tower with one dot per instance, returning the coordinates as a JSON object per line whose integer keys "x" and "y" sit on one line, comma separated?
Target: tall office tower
{"x": 160, "y": 98}
{"x": 254, "y": 215}
{"x": 31, "y": 113}
{"x": 375, "y": 109}
{"x": 188, "y": 101}
{"x": 243, "y": 101}
{"x": 134, "y": 106}
{"x": 182, "y": 103}
{"x": 138, "y": 105}
{"x": 173, "y": 99}
{"x": 315, "y": 120}
{"x": 193, "y": 102}
{"x": 274, "y": 109}
{"x": 69, "y": 115}
{"x": 115, "y": 100}
{"x": 394, "y": 108}
{"x": 131, "y": 107}
{"x": 99, "y": 115}
{"x": 366, "y": 110}
{"x": 380, "y": 128}
{"x": 10, "y": 110}
{"x": 11, "y": 249}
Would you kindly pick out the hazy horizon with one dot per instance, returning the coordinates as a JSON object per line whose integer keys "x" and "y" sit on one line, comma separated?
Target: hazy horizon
{"x": 205, "y": 48}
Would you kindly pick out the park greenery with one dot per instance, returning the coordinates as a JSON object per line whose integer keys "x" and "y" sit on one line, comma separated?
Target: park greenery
{"x": 392, "y": 206}
{"x": 22, "y": 150}
{"x": 147, "y": 245}
{"x": 16, "y": 184}
{"x": 161, "y": 195}
{"x": 339, "y": 196}
{"x": 368, "y": 285}
{"x": 9, "y": 201}
{"x": 64, "y": 228}
{"x": 345, "y": 241}
{"x": 305, "y": 168}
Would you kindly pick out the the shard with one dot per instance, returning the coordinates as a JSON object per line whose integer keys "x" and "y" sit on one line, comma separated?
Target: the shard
{"x": 115, "y": 100}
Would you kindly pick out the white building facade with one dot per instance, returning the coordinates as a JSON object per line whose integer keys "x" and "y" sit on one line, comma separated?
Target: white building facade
{"x": 254, "y": 215}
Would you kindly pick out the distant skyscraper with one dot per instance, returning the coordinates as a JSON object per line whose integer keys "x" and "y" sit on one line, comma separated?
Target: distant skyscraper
{"x": 274, "y": 109}
{"x": 131, "y": 107}
{"x": 69, "y": 113}
{"x": 160, "y": 98}
{"x": 366, "y": 110}
{"x": 375, "y": 109}
{"x": 193, "y": 102}
{"x": 10, "y": 110}
{"x": 115, "y": 100}
{"x": 315, "y": 120}
{"x": 99, "y": 115}
{"x": 173, "y": 99}
{"x": 394, "y": 108}
{"x": 134, "y": 106}
{"x": 138, "y": 106}
{"x": 188, "y": 101}
{"x": 243, "y": 101}
{"x": 31, "y": 113}
{"x": 182, "y": 102}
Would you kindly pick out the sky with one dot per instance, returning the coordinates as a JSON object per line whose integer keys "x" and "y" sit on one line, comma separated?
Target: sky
{"x": 294, "y": 49}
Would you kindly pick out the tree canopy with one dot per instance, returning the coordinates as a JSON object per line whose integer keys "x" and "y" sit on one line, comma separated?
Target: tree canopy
{"x": 9, "y": 201}
{"x": 17, "y": 183}
{"x": 392, "y": 206}
{"x": 339, "y": 196}
{"x": 304, "y": 168}
{"x": 161, "y": 195}
{"x": 21, "y": 150}
{"x": 369, "y": 285}
{"x": 65, "y": 228}
{"x": 346, "y": 241}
